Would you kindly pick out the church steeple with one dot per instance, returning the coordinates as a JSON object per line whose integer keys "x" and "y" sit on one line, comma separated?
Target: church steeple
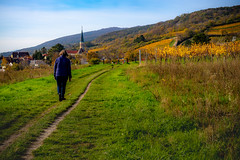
{"x": 82, "y": 39}
{"x": 81, "y": 47}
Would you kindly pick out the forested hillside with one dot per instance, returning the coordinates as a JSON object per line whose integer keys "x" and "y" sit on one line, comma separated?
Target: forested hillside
{"x": 116, "y": 42}
{"x": 182, "y": 27}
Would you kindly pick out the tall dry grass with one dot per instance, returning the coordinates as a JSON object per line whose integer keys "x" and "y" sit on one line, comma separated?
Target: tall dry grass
{"x": 11, "y": 75}
{"x": 206, "y": 92}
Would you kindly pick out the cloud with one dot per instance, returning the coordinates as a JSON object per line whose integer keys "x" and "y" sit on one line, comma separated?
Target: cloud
{"x": 11, "y": 44}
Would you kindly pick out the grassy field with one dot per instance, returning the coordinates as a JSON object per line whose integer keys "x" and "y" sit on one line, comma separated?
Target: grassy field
{"x": 118, "y": 119}
{"x": 35, "y": 102}
{"x": 170, "y": 110}
{"x": 207, "y": 93}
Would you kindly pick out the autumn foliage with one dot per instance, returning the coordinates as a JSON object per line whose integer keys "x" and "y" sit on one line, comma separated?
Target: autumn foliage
{"x": 195, "y": 50}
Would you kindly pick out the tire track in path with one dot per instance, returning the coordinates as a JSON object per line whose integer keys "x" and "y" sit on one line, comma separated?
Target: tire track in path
{"x": 16, "y": 135}
{"x": 48, "y": 131}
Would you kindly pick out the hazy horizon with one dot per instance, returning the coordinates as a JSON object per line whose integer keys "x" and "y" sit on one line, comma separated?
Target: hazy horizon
{"x": 29, "y": 23}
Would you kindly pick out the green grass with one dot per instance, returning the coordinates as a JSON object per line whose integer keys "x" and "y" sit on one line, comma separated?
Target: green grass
{"x": 25, "y": 101}
{"x": 117, "y": 119}
{"x": 167, "y": 111}
{"x": 172, "y": 42}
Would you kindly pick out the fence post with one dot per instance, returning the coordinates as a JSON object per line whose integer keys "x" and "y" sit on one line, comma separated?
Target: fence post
{"x": 139, "y": 56}
{"x": 156, "y": 56}
{"x": 146, "y": 57}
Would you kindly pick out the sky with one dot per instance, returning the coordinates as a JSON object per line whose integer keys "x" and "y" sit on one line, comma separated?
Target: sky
{"x": 27, "y": 23}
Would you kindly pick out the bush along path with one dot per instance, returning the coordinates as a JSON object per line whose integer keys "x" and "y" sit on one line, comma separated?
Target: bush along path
{"x": 24, "y": 115}
{"x": 117, "y": 119}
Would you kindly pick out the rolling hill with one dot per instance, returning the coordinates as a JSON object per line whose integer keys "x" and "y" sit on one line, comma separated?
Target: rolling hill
{"x": 182, "y": 27}
{"x": 119, "y": 41}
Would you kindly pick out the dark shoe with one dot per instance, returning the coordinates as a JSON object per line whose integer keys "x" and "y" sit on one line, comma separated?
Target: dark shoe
{"x": 63, "y": 98}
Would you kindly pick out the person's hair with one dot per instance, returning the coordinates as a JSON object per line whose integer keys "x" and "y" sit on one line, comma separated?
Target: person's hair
{"x": 64, "y": 53}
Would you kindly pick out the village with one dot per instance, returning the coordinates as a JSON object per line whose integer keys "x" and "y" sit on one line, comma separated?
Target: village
{"x": 19, "y": 60}
{"x": 43, "y": 57}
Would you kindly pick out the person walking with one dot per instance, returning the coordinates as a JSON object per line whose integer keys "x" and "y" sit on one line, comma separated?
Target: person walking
{"x": 62, "y": 72}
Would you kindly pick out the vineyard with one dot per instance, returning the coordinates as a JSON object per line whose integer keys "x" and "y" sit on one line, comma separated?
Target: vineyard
{"x": 225, "y": 29}
{"x": 157, "y": 44}
{"x": 98, "y": 49}
{"x": 194, "y": 52}
{"x": 173, "y": 34}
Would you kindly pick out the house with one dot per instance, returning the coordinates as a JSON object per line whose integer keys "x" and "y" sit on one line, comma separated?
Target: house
{"x": 37, "y": 63}
{"x": 72, "y": 52}
{"x": 20, "y": 55}
{"x": 45, "y": 56}
{"x": 17, "y": 57}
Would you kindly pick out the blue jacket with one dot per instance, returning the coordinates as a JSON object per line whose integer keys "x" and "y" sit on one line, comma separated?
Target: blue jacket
{"x": 62, "y": 67}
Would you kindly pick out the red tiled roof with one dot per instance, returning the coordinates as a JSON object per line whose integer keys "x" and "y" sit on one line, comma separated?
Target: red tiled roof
{"x": 72, "y": 51}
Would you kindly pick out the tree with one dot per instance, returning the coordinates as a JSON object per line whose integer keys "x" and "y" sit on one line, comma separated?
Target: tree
{"x": 53, "y": 58}
{"x": 94, "y": 61}
{"x": 57, "y": 48}
{"x": 53, "y": 53}
{"x": 78, "y": 58}
{"x": 4, "y": 61}
{"x": 89, "y": 44}
{"x": 187, "y": 43}
{"x": 189, "y": 33}
{"x": 201, "y": 38}
{"x": 43, "y": 50}
{"x": 140, "y": 39}
{"x": 130, "y": 56}
{"x": 37, "y": 55}
{"x": 91, "y": 55}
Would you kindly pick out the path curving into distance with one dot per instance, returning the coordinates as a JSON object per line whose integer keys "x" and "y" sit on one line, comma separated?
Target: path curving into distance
{"x": 48, "y": 131}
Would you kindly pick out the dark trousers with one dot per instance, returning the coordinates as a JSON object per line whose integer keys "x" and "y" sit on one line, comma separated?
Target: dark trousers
{"x": 61, "y": 84}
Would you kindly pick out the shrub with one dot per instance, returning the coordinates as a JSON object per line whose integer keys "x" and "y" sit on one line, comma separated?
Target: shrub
{"x": 94, "y": 61}
{"x": 140, "y": 39}
{"x": 15, "y": 67}
{"x": 201, "y": 38}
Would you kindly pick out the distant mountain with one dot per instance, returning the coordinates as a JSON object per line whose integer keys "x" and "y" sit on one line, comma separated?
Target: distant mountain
{"x": 69, "y": 40}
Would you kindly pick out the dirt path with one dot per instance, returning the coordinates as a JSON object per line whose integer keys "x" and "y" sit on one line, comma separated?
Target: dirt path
{"x": 176, "y": 42}
{"x": 48, "y": 131}
{"x": 13, "y": 137}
